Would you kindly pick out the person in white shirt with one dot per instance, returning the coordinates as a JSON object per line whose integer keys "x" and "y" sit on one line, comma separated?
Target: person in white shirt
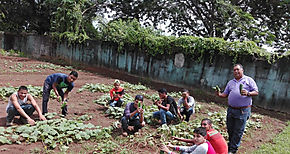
{"x": 186, "y": 105}
{"x": 18, "y": 106}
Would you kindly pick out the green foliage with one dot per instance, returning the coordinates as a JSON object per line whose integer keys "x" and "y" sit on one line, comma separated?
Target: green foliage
{"x": 131, "y": 34}
{"x": 106, "y": 146}
{"x": 280, "y": 144}
{"x": 95, "y": 87}
{"x": 55, "y": 132}
{"x": 103, "y": 100}
{"x": 134, "y": 87}
{"x": 70, "y": 19}
{"x": 115, "y": 112}
{"x": 11, "y": 53}
{"x": 35, "y": 91}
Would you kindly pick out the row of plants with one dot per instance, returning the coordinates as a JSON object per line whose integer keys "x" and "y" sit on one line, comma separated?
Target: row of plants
{"x": 35, "y": 91}
{"x": 104, "y": 88}
{"x": 20, "y": 67}
{"x": 55, "y": 132}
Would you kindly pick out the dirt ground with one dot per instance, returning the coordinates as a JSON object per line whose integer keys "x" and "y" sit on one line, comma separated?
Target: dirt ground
{"x": 81, "y": 103}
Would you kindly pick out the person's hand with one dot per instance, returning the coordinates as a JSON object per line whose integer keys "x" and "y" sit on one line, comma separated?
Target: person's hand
{"x": 42, "y": 117}
{"x": 217, "y": 93}
{"x": 115, "y": 96}
{"x": 31, "y": 121}
{"x": 156, "y": 102}
{"x": 244, "y": 92}
{"x": 181, "y": 118}
{"x": 164, "y": 148}
{"x": 140, "y": 110}
{"x": 175, "y": 138}
{"x": 130, "y": 128}
{"x": 170, "y": 145}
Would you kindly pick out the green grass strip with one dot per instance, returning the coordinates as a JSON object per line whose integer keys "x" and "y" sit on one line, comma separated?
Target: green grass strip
{"x": 280, "y": 143}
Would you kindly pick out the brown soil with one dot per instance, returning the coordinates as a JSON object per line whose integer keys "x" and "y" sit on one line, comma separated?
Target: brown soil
{"x": 82, "y": 103}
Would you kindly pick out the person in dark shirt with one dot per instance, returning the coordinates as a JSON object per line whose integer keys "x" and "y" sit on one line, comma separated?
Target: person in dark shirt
{"x": 133, "y": 118}
{"x": 57, "y": 82}
{"x": 165, "y": 105}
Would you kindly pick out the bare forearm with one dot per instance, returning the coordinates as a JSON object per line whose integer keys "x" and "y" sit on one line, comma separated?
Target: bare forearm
{"x": 186, "y": 140}
{"x": 222, "y": 95}
{"x": 22, "y": 113}
{"x": 253, "y": 93}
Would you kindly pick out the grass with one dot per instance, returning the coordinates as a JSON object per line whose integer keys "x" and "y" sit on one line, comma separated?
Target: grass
{"x": 280, "y": 144}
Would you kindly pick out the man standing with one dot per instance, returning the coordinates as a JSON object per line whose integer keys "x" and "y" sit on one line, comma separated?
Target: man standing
{"x": 239, "y": 92}
{"x": 18, "y": 105}
{"x": 133, "y": 118}
{"x": 186, "y": 105}
{"x": 57, "y": 82}
{"x": 165, "y": 106}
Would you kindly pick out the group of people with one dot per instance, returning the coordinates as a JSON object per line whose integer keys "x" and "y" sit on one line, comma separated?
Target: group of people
{"x": 22, "y": 104}
{"x": 206, "y": 139}
{"x": 239, "y": 92}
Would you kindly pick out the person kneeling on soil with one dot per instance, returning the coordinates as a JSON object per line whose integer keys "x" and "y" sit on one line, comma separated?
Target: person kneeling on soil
{"x": 213, "y": 136}
{"x": 116, "y": 94}
{"x": 201, "y": 146}
{"x": 133, "y": 118}
{"x": 18, "y": 106}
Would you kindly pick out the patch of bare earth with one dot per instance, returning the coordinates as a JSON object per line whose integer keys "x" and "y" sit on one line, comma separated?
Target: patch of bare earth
{"x": 82, "y": 103}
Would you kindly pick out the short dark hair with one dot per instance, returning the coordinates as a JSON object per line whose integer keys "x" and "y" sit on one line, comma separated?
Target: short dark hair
{"x": 208, "y": 121}
{"x": 239, "y": 65}
{"x": 74, "y": 73}
{"x": 200, "y": 130}
{"x": 22, "y": 88}
{"x": 162, "y": 90}
{"x": 185, "y": 91}
{"x": 139, "y": 97}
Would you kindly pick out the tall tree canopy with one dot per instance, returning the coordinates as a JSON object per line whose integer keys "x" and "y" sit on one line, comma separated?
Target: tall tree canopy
{"x": 70, "y": 19}
{"x": 257, "y": 20}
{"x": 262, "y": 21}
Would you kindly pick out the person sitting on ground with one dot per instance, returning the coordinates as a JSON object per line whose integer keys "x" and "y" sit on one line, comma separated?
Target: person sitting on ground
{"x": 201, "y": 146}
{"x": 186, "y": 105}
{"x": 57, "y": 82}
{"x": 213, "y": 136}
{"x": 133, "y": 118}
{"x": 165, "y": 106}
{"x": 116, "y": 94}
{"x": 18, "y": 106}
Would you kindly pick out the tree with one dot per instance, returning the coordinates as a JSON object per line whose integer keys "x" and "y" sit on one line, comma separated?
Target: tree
{"x": 69, "y": 19}
{"x": 24, "y": 16}
{"x": 228, "y": 19}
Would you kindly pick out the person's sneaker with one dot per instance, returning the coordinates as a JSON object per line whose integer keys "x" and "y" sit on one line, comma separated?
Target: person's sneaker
{"x": 8, "y": 124}
{"x": 23, "y": 120}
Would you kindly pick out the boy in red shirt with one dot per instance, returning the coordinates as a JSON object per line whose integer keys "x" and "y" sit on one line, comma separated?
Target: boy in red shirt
{"x": 116, "y": 94}
{"x": 213, "y": 136}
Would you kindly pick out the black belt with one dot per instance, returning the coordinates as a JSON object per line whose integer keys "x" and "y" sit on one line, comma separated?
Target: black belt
{"x": 243, "y": 107}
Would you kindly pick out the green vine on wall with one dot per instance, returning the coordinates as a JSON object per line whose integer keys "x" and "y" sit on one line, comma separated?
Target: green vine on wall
{"x": 131, "y": 34}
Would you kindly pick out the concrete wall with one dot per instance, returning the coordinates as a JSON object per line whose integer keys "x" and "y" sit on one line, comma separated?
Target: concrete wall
{"x": 272, "y": 80}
